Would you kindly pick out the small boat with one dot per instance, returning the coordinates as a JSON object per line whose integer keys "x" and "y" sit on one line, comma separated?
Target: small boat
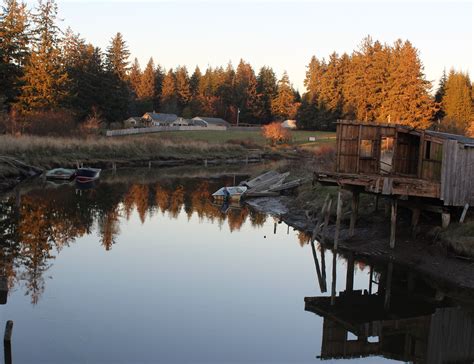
{"x": 233, "y": 193}
{"x": 61, "y": 173}
{"x": 87, "y": 175}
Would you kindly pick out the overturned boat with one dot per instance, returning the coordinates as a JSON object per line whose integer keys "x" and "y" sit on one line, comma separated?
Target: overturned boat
{"x": 63, "y": 174}
{"x": 233, "y": 193}
{"x": 87, "y": 175}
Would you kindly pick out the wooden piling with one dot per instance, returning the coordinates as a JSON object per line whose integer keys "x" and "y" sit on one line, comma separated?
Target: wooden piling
{"x": 350, "y": 274}
{"x": 415, "y": 219}
{"x": 333, "y": 283}
{"x": 388, "y": 286}
{"x": 338, "y": 218}
{"x": 7, "y": 344}
{"x": 322, "y": 283}
{"x": 354, "y": 212}
{"x": 205, "y": 162}
{"x": 464, "y": 213}
{"x": 393, "y": 223}
{"x": 445, "y": 219}
{"x": 371, "y": 279}
{"x": 376, "y": 203}
{"x": 326, "y": 218}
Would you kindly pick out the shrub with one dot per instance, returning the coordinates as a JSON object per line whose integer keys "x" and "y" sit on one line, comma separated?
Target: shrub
{"x": 275, "y": 133}
{"x": 50, "y": 123}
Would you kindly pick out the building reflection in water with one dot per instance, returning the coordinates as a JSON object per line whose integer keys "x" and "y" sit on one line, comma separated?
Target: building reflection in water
{"x": 398, "y": 316}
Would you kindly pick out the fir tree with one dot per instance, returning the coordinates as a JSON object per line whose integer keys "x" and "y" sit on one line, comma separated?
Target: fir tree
{"x": 117, "y": 57}
{"x": 14, "y": 39}
{"x": 146, "y": 90}
{"x": 169, "y": 100}
{"x": 283, "y": 105}
{"x": 267, "y": 90}
{"x": 457, "y": 103}
{"x": 45, "y": 80}
{"x": 183, "y": 92}
{"x": 135, "y": 77}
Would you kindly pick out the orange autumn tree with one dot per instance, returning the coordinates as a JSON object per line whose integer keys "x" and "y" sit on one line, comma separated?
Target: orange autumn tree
{"x": 275, "y": 133}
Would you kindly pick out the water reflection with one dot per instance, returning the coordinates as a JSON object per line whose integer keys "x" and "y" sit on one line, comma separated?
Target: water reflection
{"x": 38, "y": 224}
{"x": 397, "y": 315}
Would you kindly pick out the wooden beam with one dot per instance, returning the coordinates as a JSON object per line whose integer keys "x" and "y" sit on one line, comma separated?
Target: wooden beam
{"x": 393, "y": 223}
{"x": 326, "y": 218}
{"x": 338, "y": 217}
{"x": 354, "y": 212}
{"x": 350, "y": 274}
{"x": 333, "y": 283}
{"x": 388, "y": 286}
{"x": 464, "y": 213}
{"x": 445, "y": 219}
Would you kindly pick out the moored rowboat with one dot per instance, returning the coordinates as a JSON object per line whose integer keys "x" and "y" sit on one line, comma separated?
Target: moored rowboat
{"x": 233, "y": 193}
{"x": 86, "y": 175}
{"x": 61, "y": 173}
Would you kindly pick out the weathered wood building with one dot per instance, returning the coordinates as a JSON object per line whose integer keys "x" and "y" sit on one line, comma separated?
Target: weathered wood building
{"x": 420, "y": 167}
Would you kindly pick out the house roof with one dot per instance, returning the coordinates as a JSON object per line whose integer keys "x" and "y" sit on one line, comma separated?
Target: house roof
{"x": 438, "y": 134}
{"x": 136, "y": 118}
{"x": 160, "y": 117}
{"x": 212, "y": 121}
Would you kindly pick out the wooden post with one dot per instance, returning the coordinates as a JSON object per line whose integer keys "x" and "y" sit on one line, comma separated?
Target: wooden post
{"x": 415, "y": 218}
{"x": 149, "y": 164}
{"x": 371, "y": 278}
{"x": 7, "y": 342}
{"x": 205, "y": 162}
{"x": 333, "y": 283}
{"x": 388, "y": 287}
{"x": 322, "y": 284}
{"x": 326, "y": 218}
{"x": 274, "y": 228}
{"x": 338, "y": 218}
{"x": 376, "y": 203}
{"x": 350, "y": 274}
{"x": 323, "y": 263}
{"x": 393, "y": 223}
{"x": 464, "y": 213}
{"x": 445, "y": 219}
{"x": 354, "y": 212}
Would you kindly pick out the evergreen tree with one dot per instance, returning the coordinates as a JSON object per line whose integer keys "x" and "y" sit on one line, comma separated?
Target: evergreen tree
{"x": 267, "y": 90}
{"x": 159, "y": 77}
{"x": 135, "y": 77}
{"x": 146, "y": 90}
{"x": 283, "y": 105}
{"x": 45, "y": 80}
{"x": 439, "y": 115}
{"x": 183, "y": 92}
{"x": 457, "y": 103}
{"x": 408, "y": 99}
{"x": 117, "y": 57}
{"x": 246, "y": 92}
{"x": 194, "y": 82}
{"x": 14, "y": 38}
{"x": 169, "y": 99}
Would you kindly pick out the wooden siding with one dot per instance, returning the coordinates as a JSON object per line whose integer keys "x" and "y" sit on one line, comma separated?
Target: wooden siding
{"x": 457, "y": 174}
{"x": 347, "y": 148}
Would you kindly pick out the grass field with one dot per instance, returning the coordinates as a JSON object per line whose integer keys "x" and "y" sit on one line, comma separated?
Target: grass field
{"x": 298, "y": 137}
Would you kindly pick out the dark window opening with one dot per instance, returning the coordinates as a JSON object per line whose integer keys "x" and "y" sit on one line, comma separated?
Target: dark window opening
{"x": 428, "y": 150}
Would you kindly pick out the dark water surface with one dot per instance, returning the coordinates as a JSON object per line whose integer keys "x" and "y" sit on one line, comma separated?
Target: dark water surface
{"x": 144, "y": 269}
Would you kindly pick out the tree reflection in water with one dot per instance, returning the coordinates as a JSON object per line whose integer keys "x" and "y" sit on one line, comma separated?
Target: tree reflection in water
{"x": 37, "y": 225}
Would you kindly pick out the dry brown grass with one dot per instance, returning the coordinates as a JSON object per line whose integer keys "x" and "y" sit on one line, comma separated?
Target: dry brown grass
{"x": 47, "y": 151}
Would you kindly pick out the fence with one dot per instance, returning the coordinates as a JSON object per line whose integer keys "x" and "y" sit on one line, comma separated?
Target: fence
{"x": 157, "y": 129}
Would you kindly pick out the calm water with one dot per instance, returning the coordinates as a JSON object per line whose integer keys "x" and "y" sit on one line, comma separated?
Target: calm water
{"x": 144, "y": 268}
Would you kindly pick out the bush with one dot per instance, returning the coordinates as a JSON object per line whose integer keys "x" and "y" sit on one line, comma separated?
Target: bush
{"x": 275, "y": 133}
{"x": 50, "y": 123}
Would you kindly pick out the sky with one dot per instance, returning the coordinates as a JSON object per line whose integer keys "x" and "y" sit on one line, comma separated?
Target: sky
{"x": 280, "y": 34}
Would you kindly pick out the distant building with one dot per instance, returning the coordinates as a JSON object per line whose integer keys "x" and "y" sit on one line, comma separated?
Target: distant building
{"x": 289, "y": 124}
{"x": 182, "y": 122}
{"x": 205, "y": 121}
{"x": 159, "y": 119}
{"x": 133, "y": 122}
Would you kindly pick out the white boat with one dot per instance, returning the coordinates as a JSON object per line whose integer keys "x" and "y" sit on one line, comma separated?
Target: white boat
{"x": 61, "y": 174}
{"x": 233, "y": 193}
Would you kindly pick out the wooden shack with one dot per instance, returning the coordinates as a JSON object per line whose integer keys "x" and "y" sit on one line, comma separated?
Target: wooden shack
{"x": 421, "y": 167}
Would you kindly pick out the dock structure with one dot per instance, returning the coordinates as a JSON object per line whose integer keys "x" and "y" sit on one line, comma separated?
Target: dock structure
{"x": 417, "y": 169}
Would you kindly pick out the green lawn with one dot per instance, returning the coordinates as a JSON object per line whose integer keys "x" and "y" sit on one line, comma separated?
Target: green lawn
{"x": 299, "y": 137}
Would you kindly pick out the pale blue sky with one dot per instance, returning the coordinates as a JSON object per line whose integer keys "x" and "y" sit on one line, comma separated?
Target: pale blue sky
{"x": 283, "y": 35}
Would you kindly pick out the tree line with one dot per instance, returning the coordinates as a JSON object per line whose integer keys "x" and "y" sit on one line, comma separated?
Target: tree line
{"x": 45, "y": 70}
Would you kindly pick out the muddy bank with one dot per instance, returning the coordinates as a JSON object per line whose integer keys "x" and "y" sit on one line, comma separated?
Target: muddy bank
{"x": 371, "y": 240}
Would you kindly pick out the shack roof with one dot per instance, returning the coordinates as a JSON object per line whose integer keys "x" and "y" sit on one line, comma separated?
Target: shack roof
{"x": 212, "y": 121}
{"x": 467, "y": 141}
